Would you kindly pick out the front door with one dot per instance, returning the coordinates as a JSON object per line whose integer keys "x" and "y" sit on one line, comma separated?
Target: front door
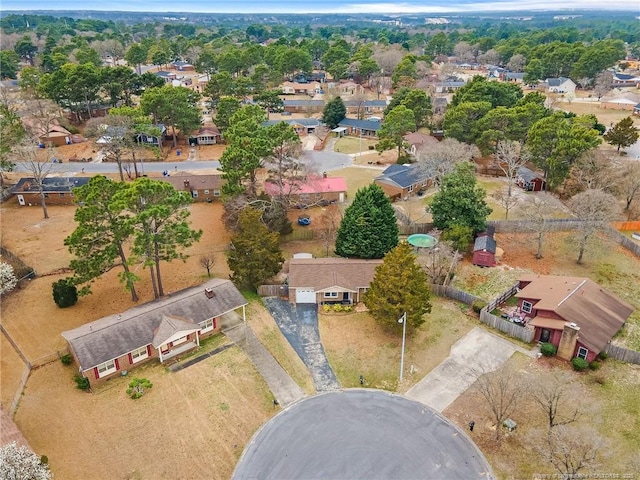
{"x": 545, "y": 335}
{"x": 345, "y": 297}
{"x": 21, "y": 200}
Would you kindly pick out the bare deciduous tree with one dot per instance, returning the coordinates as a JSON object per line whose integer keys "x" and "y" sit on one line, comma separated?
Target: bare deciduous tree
{"x": 114, "y": 135}
{"x": 207, "y": 261}
{"x": 510, "y": 160}
{"x": 537, "y": 213}
{"x": 592, "y": 170}
{"x": 603, "y": 83}
{"x": 464, "y": 52}
{"x": 516, "y": 63}
{"x": 502, "y": 390}
{"x": 442, "y": 158}
{"x": 552, "y": 395}
{"x": 630, "y": 184}
{"x": 505, "y": 200}
{"x": 569, "y": 449}
{"x": 326, "y": 227}
{"x": 440, "y": 263}
{"x": 595, "y": 209}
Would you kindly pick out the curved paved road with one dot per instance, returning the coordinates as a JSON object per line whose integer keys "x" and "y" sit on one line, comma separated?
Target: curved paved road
{"x": 299, "y": 324}
{"x": 368, "y": 434}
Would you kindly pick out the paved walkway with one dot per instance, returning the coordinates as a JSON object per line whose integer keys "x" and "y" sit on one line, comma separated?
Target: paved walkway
{"x": 299, "y": 324}
{"x": 284, "y": 389}
{"x": 478, "y": 350}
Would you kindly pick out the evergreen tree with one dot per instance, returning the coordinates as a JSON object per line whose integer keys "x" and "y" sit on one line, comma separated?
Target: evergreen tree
{"x": 623, "y": 133}
{"x": 255, "y": 253}
{"x": 460, "y": 201}
{"x": 369, "y": 228}
{"x": 399, "y": 285}
{"x": 333, "y": 113}
{"x": 396, "y": 125}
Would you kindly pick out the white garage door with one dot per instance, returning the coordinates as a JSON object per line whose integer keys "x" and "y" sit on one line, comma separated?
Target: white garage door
{"x": 305, "y": 295}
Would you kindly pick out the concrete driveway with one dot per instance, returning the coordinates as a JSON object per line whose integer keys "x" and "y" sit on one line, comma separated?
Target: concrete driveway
{"x": 479, "y": 350}
{"x": 367, "y": 434}
{"x": 299, "y": 324}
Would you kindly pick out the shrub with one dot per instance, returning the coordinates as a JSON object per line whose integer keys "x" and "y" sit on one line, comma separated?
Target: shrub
{"x": 347, "y": 308}
{"x": 603, "y": 355}
{"x": 478, "y": 305}
{"x": 326, "y": 308}
{"x": 337, "y": 307}
{"x": 137, "y": 387}
{"x": 82, "y": 383}
{"x": 594, "y": 365}
{"x": 548, "y": 349}
{"x": 579, "y": 364}
{"x": 44, "y": 460}
{"x": 65, "y": 294}
{"x": 66, "y": 359}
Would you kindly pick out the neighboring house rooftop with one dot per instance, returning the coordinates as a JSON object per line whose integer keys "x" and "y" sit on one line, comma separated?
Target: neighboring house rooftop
{"x": 556, "y": 82}
{"x": 50, "y": 184}
{"x": 365, "y": 103}
{"x": 115, "y": 335}
{"x": 312, "y": 185}
{"x": 303, "y": 103}
{"x": 361, "y": 124}
{"x": 403, "y": 176}
{"x": 195, "y": 182}
{"x": 305, "y": 122}
{"x": 208, "y": 130}
{"x": 598, "y": 312}
{"x": 324, "y": 273}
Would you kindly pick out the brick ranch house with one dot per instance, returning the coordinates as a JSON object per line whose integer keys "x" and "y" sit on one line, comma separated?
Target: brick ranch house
{"x": 313, "y": 190}
{"x": 202, "y": 188}
{"x": 329, "y": 280}
{"x": 161, "y": 329}
{"x": 56, "y": 190}
{"x": 575, "y": 314}
{"x": 401, "y": 181}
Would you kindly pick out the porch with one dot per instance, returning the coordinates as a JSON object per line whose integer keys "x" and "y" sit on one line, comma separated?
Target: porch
{"x": 175, "y": 351}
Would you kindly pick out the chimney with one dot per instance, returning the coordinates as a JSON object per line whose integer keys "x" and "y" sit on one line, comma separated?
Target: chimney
{"x": 568, "y": 341}
{"x": 209, "y": 292}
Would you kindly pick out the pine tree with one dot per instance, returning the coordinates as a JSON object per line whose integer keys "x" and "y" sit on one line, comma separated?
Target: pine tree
{"x": 460, "y": 201}
{"x": 369, "y": 228}
{"x": 255, "y": 254}
{"x": 623, "y": 134}
{"x": 399, "y": 285}
{"x": 333, "y": 113}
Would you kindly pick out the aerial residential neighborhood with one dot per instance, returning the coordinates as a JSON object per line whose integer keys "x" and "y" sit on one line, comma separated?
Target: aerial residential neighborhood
{"x": 334, "y": 244}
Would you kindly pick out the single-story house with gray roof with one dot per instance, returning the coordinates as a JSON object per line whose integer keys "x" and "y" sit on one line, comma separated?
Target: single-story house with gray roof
{"x": 56, "y": 190}
{"x": 330, "y": 280}
{"x": 303, "y": 106}
{"x": 400, "y": 181}
{"x": 300, "y": 125}
{"x": 162, "y": 329}
{"x": 364, "y": 128}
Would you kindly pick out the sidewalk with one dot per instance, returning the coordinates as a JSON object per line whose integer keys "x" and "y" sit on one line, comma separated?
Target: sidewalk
{"x": 284, "y": 389}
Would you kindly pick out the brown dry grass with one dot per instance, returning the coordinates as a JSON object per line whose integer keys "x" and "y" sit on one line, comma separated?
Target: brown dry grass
{"x": 11, "y": 367}
{"x": 612, "y": 408}
{"x": 267, "y": 331}
{"x": 191, "y": 424}
{"x": 606, "y": 116}
{"x": 357, "y": 345}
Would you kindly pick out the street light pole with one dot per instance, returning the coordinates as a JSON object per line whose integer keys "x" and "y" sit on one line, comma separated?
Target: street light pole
{"x": 403, "y": 321}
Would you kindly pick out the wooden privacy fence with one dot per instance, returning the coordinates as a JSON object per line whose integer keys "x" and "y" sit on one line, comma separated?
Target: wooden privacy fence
{"x": 502, "y": 298}
{"x": 622, "y": 354}
{"x": 278, "y": 290}
{"x": 454, "y": 293}
{"x": 415, "y": 228}
{"x": 511, "y": 329}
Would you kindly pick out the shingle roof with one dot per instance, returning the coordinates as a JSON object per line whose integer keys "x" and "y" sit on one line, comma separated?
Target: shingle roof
{"x": 305, "y": 122}
{"x": 485, "y": 242}
{"x": 323, "y": 273}
{"x": 50, "y": 184}
{"x": 361, "y": 124}
{"x": 556, "y": 82}
{"x": 365, "y": 103}
{"x": 110, "y": 337}
{"x": 303, "y": 103}
{"x": 169, "y": 326}
{"x": 403, "y": 176}
{"x": 598, "y": 312}
{"x": 196, "y": 182}
{"x": 527, "y": 175}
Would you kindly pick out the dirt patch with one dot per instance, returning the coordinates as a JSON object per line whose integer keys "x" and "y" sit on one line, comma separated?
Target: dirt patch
{"x": 12, "y": 368}
{"x": 195, "y": 422}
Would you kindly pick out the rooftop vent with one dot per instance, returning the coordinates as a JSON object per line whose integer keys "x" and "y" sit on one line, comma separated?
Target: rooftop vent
{"x": 209, "y": 292}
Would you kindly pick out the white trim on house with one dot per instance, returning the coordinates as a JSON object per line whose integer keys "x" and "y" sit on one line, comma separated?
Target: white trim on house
{"x": 206, "y": 326}
{"x": 139, "y": 354}
{"x": 106, "y": 368}
{"x": 582, "y": 353}
{"x": 527, "y": 307}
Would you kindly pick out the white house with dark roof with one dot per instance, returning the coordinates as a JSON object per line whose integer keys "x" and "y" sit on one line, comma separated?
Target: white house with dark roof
{"x": 161, "y": 329}
{"x": 559, "y": 85}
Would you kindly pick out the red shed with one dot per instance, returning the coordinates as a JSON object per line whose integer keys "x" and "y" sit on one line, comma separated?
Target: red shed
{"x": 484, "y": 250}
{"x": 529, "y": 180}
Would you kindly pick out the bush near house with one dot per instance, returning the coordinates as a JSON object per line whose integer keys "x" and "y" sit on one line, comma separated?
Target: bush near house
{"x": 579, "y": 364}
{"x": 548, "y": 349}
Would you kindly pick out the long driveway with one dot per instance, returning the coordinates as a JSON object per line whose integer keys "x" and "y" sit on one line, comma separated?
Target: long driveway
{"x": 478, "y": 351}
{"x": 299, "y": 324}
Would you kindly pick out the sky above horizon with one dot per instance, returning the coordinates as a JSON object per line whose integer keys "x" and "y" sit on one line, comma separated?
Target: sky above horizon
{"x": 326, "y": 6}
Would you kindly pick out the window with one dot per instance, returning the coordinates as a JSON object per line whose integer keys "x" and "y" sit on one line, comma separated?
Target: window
{"x": 410, "y": 188}
{"x": 61, "y": 194}
{"x": 179, "y": 340}
{"x": 330, "y": 294}
{"x": 207, "y": 326}
{"x": 216, "y": 193}
{"x": 527, "y": 306}
{"x": 582, "y": 353}
{"x": 194, "y": 193}
{"x": 206, "y": 192}
{"x": 106, "y": 368}
{"x": 139, "y": 354}
{"x": 46, "y": 195}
